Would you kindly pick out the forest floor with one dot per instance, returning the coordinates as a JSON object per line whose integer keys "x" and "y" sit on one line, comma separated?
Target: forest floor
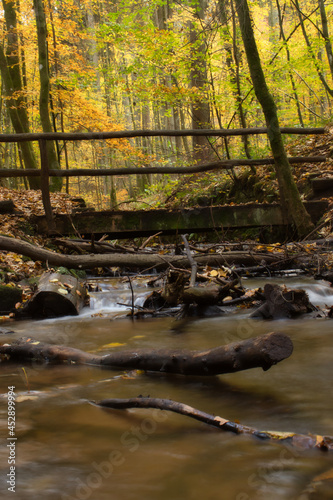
{"x": 200, "y": 189}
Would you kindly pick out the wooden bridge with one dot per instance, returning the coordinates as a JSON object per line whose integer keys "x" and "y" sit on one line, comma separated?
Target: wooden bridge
{"x": 125, "y": 224}
{"x": 129, "y": 224}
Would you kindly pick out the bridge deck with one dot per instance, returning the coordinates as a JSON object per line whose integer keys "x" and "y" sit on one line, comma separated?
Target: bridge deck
{"x": 124, "y": 224}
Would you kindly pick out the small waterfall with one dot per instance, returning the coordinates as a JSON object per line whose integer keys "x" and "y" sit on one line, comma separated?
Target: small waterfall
{"x": 115, "y": 297}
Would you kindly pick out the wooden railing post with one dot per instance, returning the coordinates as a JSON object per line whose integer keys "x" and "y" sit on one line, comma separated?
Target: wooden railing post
{"x": 45, "y": 185}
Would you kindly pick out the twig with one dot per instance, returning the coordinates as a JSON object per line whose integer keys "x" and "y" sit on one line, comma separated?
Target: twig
{"x": 303, "y": 440}
{"x": 148, "y": 240}
{"x": 194, "y": 265}
{"x": 132, "y": 296}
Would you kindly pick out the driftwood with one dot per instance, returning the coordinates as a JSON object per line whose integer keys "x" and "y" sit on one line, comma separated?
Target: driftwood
{"x": 57, "y": 295}
{"x": 172, "y": 292}
{"x": 175, "y": 292}
{"x": 207, "y": 295}
{"x": 263, "y": 351}
{"x": 137, "y": 261}
{"x": 324, "y": 443}
{"x": 210, "y": 294}
{"x": 283, "y": 303}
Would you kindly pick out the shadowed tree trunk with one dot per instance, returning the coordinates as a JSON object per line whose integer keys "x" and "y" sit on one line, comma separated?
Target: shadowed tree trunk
{"x": 13, "y": 88}
{"x": 291, "y": 203}
{"x": 44, "y": 95}
{"x": 200, "y": 107}
{"x": 291, "y": 77}
{"x": 326, "y": 35}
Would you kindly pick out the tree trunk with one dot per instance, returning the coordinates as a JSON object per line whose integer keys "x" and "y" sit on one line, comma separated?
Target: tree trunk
{"x": 289, "y": 196}
{"x": 291, "y": 76}
{"x": 133, "y": 261}
{"x": 13, "y": 87}
{"x": 328, "y": 45}
{"x": 314, "y": 58}
{"x": 44, "y": 95}
{"x": 200, "y": 107}
{"x": 259, "y": 352}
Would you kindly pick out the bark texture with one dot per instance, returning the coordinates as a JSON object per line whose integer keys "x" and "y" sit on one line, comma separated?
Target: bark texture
{"x": 324, "y": 443}
{"x": 44, "y": 94}
{"x": 14, "y": 90}
{"x": 289, "y": 196}
{"x": 57, "y": 295}
{"x": 263, "y": 351}
{"x": 283, "y": 303}
{"x": 133, "y": 261}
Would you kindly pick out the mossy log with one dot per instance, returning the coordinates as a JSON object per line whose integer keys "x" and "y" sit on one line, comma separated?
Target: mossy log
{"x": 57, "y": 295}
{"x": 263, "y": 351}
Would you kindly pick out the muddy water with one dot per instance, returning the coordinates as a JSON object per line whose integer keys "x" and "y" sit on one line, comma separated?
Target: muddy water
{"x": 67, "y": 448}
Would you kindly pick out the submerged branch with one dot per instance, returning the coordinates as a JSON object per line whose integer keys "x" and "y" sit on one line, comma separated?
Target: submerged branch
{"x": 324, "y": 443}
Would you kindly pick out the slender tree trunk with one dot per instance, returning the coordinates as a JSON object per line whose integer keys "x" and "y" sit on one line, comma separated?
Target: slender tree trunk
{"x": 328, "y": 89}
{"x": 200, "y": 108}
{"x": 328, "y": 45}
{"x": 291, "y": 77}
{"x": 13, "y": 88}
{"x": 44, "y": 95}
{"x": 238, "y": 93}
{"x": 291, "y": 203}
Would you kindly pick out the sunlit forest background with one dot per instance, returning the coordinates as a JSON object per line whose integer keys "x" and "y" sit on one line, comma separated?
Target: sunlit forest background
{"x": 158, "y": 64}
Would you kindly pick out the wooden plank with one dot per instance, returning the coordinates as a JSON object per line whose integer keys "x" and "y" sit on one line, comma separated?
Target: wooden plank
{"x": 322, "y": 185}
{"x": 200, "y": 219}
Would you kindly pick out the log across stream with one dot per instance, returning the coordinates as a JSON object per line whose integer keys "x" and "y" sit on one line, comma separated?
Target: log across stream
{"x": 68, "y": 448}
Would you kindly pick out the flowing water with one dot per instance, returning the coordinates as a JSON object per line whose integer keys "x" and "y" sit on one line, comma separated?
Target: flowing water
{"x": 67, "y": 448}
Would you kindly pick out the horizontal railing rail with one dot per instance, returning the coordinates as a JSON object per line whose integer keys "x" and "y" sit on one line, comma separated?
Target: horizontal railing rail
{"x": 45, "y": 172}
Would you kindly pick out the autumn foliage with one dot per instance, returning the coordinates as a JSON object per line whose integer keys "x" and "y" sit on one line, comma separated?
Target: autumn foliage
{"x": 132, "y": 65}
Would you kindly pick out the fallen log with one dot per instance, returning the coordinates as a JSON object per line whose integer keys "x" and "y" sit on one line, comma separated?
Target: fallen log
{"x": 263, "y": 351}
{"x": 137, "y": 261}
{"x": 281, "y": 302}
{"x": 57, "y": 295}
{"x": 201, "y": 295}
{"x": 208, "y": 295}
{"x": 307, "y": 441}
{"x": 83, "y": 246}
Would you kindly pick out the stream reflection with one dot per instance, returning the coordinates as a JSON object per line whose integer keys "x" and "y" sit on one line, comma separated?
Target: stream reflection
{"x": 69, "y": 449}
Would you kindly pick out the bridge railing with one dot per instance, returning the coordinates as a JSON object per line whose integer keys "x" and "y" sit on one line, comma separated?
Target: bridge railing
{"x": 45, "y": 172}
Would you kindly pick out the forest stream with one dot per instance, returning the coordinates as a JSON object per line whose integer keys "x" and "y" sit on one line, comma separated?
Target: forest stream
{"x": 67, "y": 448}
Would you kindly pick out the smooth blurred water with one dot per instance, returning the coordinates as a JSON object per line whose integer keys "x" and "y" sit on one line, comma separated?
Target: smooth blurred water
{"x": 67, "y": 448}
